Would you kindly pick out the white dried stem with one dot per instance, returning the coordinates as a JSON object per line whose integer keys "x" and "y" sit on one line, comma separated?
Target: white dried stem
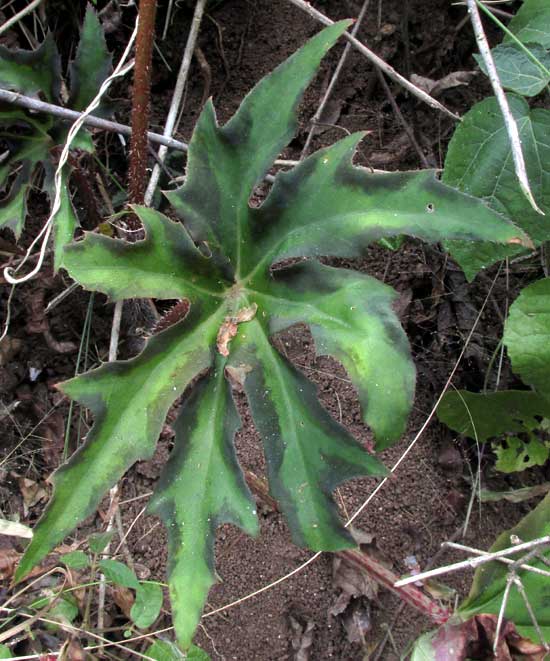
{"x": 472, "y": 563}
{"x": 509, "y": 581}
{"x": 505, "y": 561}
{"x": 28, "y": 102}
{"x": 17, "y": 17}
{"x": 509, "y": 121}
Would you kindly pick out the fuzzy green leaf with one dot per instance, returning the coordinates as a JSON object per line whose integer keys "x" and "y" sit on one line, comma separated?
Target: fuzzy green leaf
{"x": 516, "y": 71}
{"x": 531, "y": 24}
{"x": 225, "y": 163}
{"x": 479, "y": 162}
{"x": 527, "y": 336}
{"x": 351, "y": 319}
{"x": 325, "y": 206}
{"x": 129, "y": 400}
{"x": 490, "y": 580}
{"x": 201, "y": 488}
{"x": 92, "y": 64}
{"x": 288, "y": 415}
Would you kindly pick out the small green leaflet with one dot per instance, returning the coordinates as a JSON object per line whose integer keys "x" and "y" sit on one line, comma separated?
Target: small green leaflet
{"x": 119, "y": 573}
{"x": 147, "y": 605}
{"x": 75, "y": 560}
{"x": 325, "y": 206}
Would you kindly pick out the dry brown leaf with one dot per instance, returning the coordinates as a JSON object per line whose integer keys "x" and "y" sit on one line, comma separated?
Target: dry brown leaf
{"x": 32, "y": 492}
{"x": 230, "y": 327}
{"x": 74, "y": 651}
{"x": 8, "y": 561}
{"x": 302, "y": 638}
{"x": 9, "y": 348}
{"x": 474, "y": 639}
{"x": 123, "y": 598}
{"x": 435, "y": 87}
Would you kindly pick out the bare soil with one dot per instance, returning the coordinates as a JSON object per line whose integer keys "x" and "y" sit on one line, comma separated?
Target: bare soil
{"x": 427, "y": 499}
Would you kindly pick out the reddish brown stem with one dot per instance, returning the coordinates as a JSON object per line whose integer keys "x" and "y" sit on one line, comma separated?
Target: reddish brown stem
{"x": 141, "y": 101}
{"x": 409, "y": 593}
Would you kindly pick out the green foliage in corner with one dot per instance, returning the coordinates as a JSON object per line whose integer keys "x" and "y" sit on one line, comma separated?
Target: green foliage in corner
{"x": 521, "y": 415}
{"x": 221, "y": 261}
{"x": 479, "y": 159}
{"x": 31, "y": 138}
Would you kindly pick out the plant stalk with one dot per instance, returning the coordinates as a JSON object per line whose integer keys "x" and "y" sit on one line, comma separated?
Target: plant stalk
{"x": 141, "y": 102}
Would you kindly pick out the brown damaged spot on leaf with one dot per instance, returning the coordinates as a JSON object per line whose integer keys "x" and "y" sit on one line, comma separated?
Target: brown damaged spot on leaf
{"x": 230, "y": 327}
{"x": 237, "y": 375}
{"x": 176, "y": 313}
{"x": 474, "y": 639}
{"x": 517, "y": 240}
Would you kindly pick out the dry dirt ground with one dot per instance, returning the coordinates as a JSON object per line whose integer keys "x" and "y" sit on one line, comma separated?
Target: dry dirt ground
{"x": 427, "y": 499}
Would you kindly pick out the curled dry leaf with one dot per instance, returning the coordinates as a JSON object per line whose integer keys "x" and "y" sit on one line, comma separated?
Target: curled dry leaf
{"x": 8, "y": 561}
{"x": 358, "y": 589}
{"x": 124, "y": 599}
{"x": 32, "y": 492}
{"x": 435, "y": 87}
{"x": 230, "y": 327}
{"x": 474, "y": 639}
{"x": 302, "y": 638}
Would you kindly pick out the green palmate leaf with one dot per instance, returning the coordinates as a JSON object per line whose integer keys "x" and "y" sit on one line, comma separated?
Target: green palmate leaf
{"x": 302, "y": 474}
{"x": 531, "y": 24}
{"x": 489, "y": 582}
{"x": 479, "y": 162}
{"x": 130, "y": 401}
{"x": 167, "y": 264}
{"x": 5, "y": 652}
{"x": 517, "y": 71}
{"x": 527, "y": 336}
{"x": 225, "y": 164}
{"x": 92, "y": 64}
{"x": 201, "y": 488}
{"x": 325, "y": 206}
